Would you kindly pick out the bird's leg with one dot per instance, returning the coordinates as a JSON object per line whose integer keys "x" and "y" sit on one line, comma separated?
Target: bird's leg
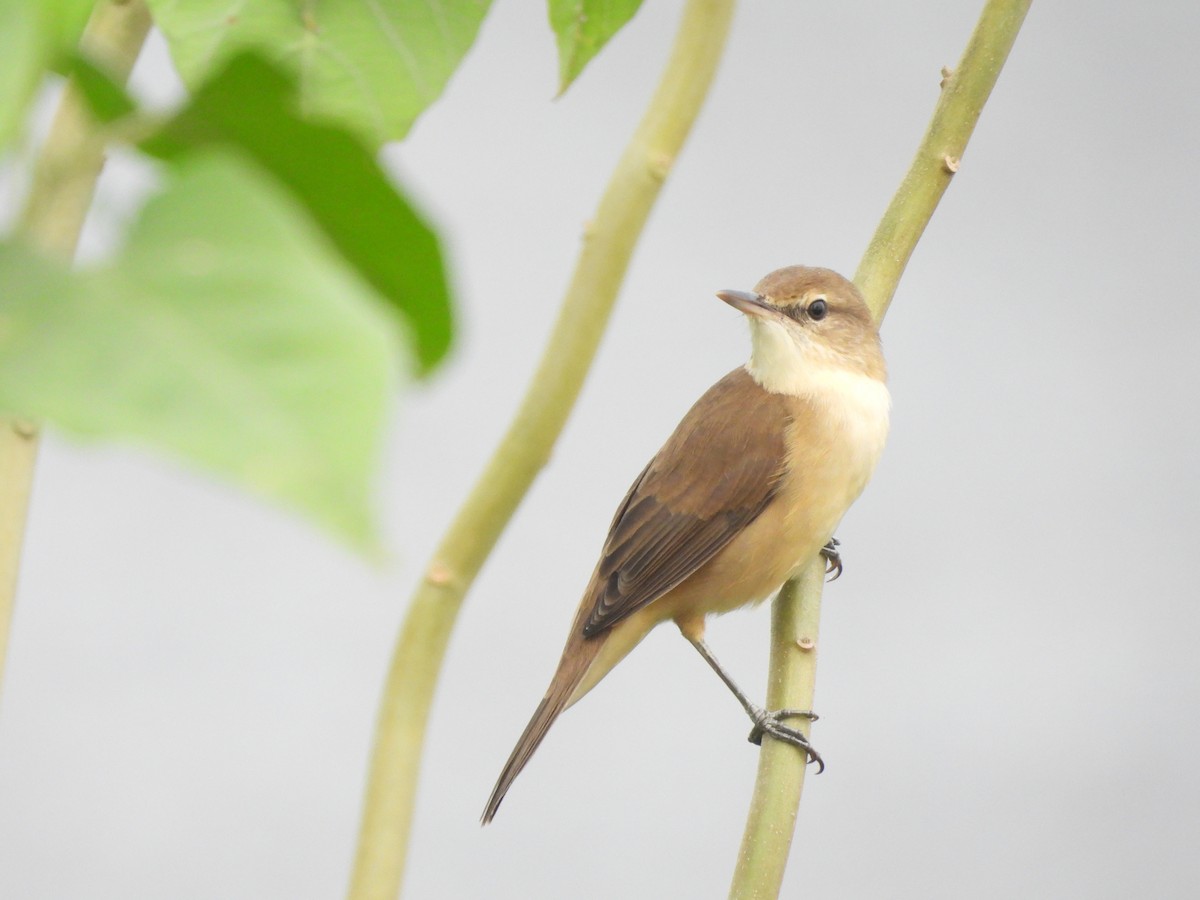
{"x": 765, "y": 721}
{"x": 833, "y": 559}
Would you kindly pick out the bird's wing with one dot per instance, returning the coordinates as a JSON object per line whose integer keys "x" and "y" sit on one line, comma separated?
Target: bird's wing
{"x": 712, "y": 478}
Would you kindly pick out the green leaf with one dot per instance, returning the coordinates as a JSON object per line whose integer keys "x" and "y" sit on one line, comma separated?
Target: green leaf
{"x": 582, "y": 28}
{"x": 23, "y": 52}
{"x": 32, "y": 34}
{"x": 249, "y": 105}
{"x": 65, "y": 20}
{"x": 225, "y": 332}
{"x": 373, "y": 66}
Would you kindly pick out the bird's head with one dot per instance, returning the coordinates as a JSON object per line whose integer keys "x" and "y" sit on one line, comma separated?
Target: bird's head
{"x": 804, "y": 320}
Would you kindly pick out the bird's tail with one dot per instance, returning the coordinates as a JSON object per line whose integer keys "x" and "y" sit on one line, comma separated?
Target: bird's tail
{"x": 576, "y": 658}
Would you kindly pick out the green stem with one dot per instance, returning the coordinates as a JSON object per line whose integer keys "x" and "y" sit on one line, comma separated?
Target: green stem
{"x": 795, "y": 615}
{"x": 608, "y": 245}
{"x": 72, "y": 156}
{"x": 771, "y": 822}
{"x": 64, "y": 178}
{"x": 18, "y": 450}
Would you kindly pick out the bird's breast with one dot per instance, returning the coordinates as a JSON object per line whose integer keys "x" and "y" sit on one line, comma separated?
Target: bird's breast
{"x": 835, "y": 438}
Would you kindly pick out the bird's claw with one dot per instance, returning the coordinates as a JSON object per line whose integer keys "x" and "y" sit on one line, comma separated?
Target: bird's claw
{"x": 769, "y": 723}
{"x": 833, "y": 559}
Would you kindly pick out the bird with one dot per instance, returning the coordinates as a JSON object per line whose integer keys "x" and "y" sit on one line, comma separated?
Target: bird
{"x": 745, "y": 493}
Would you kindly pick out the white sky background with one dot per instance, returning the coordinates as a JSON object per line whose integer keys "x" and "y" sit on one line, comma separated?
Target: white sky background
{"x": 1008, "y": 677}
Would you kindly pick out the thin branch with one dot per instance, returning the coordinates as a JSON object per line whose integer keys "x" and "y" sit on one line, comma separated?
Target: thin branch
{"x": 793, "y": 673}
{"x": 64, "y": 178}
{"x": 608, "y": 245}
{"x": 18, "y": 452}
{"x": 796, "y": 611}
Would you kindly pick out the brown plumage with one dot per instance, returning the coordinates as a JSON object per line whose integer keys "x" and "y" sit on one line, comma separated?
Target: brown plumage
{"x": 748, "y": 488}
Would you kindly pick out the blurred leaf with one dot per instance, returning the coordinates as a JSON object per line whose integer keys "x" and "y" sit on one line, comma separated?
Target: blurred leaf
{"x": 225, "y": 332}
{"x": 583, "y": 27}
{"x": 105, "y": 98}
{"x": 32, "y": 34}
{"x": 65, "y": 20}
{"x": 248, "y": 105}
{"x": 23, "y": 53}
{"x": 373, "y": 66}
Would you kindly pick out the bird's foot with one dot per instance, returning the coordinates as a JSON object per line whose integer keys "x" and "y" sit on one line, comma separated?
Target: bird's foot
{"x": 768, "y": 722}
{"x": 833, "y": 559}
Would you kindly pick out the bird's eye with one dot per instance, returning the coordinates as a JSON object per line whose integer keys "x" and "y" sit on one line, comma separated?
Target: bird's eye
{"x": 818, "y": 309}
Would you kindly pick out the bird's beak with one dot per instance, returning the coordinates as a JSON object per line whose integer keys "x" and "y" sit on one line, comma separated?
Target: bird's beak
{"x": 748, "y": 303}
